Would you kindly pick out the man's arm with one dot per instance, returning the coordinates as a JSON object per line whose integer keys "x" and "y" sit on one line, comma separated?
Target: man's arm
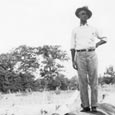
{"x": 100, "y": 43}
{"x": 73, "y": 46}
{"x": 75, "y": 66}
{"x": 102, "y": 39}
{"x": 72, "y": 54}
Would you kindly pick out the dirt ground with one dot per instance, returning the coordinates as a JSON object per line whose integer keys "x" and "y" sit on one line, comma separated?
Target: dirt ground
{"x": 46, "y": 103}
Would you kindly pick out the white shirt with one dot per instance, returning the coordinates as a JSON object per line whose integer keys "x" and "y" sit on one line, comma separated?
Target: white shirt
{"x": 84, "y": 37}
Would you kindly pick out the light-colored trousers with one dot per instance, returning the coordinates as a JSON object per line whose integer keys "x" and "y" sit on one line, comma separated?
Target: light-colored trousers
{"x": 87, "y": 72}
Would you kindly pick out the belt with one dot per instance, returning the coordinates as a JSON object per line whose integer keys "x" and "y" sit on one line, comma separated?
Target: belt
{"x": 88, "y": 50}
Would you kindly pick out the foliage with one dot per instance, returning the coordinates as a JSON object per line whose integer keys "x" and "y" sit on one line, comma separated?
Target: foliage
{"x": 17, "y": 68}
{"x": 51, "y": 67}
{"x": 26, "y": 59}
{"x": 73, "y": 83}
{"x": 7, "y": 61}
{"x": 59, "y": 82}
{"x": 9, "y": 81}
{"x": 108, "y": 77}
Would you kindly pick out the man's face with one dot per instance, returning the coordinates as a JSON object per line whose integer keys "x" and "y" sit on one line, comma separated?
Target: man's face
{"x": 83, "y": 15}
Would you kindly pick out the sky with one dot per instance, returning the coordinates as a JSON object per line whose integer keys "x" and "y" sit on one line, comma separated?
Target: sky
{"x": 50, "y": 22}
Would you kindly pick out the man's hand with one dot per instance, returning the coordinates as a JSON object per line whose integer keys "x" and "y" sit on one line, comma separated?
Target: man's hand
{"x": 75, "y": 66}
{"x": 97, "y": 45}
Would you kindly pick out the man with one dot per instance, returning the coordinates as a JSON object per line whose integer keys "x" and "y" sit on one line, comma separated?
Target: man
{"x": 84, "y": 58}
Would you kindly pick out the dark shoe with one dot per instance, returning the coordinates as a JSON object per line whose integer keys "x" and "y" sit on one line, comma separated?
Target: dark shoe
{"x": 85, "y": 109}
{"x": 82, "y": 106}
{"x": 94, "y": 109}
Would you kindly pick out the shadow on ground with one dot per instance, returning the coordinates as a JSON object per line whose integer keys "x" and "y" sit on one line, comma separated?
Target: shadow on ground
{"x": 107, "y": 108}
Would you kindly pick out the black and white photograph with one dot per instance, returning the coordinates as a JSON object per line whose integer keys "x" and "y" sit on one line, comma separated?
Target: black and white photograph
{"x": 57, "y": 57}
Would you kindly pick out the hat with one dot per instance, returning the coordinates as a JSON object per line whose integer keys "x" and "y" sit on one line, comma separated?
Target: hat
{"x": 85, "y": 8}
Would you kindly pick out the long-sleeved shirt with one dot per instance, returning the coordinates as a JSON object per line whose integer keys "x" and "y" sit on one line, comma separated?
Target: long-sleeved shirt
{"x": 84, "y": 37}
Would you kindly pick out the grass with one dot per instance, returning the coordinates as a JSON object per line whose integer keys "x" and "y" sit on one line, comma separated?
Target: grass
{"x": 20, "y": 102}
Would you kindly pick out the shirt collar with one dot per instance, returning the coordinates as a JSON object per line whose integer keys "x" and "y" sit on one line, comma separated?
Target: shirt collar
{"x": 84, "y": 25}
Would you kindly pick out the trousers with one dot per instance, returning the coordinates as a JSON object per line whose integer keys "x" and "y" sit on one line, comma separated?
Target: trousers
{"x": 88, "y": 76}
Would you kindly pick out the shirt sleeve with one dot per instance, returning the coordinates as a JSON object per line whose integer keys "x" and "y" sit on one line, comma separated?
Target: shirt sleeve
{"x": 73, "y": 40}
{"x": 100, "y": 35}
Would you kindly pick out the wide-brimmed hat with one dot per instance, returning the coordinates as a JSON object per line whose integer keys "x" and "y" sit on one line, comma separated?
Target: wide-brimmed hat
{"x": 85, "y": 8}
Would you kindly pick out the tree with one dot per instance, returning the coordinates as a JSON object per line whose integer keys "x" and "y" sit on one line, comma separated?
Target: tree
{"x": 27, "y": 81}
{"x": 51, "y": 67}
{"x": 73, "y": 83}
{"x": 58, "y": 82}
{"x": 110, "y": 71}
{"x": 108, "y": 77}
{"x": 7, "y": 61}
{"x": 26, "y": 58}
{"x": 18, "y": 66}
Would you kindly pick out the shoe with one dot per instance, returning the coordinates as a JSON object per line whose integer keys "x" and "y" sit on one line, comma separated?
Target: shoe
{"x": 82, "y": 106}
{"x": 94, "y": 109}
{"x": 85, "y": 109}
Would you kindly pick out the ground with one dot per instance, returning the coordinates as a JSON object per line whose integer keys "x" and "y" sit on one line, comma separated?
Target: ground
{"x": 47, "y": 103}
